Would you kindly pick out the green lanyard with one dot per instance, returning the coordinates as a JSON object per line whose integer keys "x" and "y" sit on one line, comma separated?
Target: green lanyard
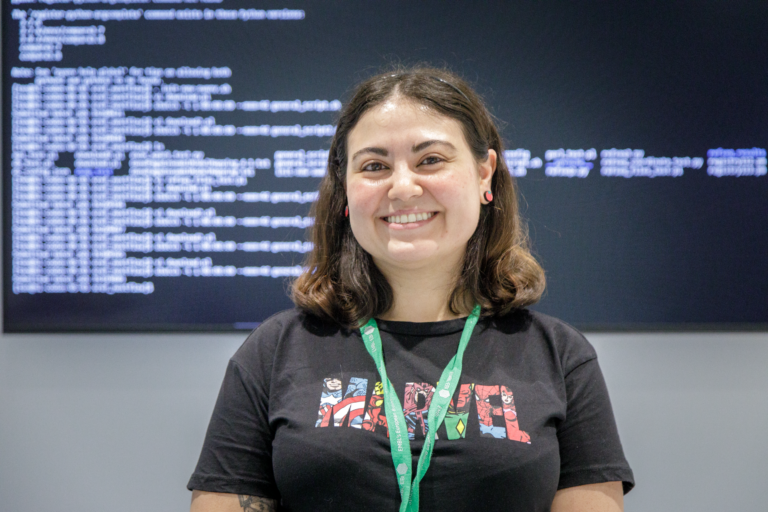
{"x": 398, "y": 439}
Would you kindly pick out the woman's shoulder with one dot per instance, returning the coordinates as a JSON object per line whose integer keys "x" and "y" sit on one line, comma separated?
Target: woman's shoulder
{"x": 569, "y": 345}
{"x": 298, "y": 321}
{"x": 294, "y": 325}
{"x": 528, "y": 320}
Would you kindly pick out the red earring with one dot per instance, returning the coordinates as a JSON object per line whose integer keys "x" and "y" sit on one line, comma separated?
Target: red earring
{"x": 346, "y": 211}
{"x": 488, "y": 196}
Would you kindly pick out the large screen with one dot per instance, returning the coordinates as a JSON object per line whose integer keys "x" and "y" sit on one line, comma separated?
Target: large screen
{"x": 160, "y": 157}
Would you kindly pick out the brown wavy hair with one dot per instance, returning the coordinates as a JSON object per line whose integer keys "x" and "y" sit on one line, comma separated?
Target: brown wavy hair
{"x": 341, "y": 283}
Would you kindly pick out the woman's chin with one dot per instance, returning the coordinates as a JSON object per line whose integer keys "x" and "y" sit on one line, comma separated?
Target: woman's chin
{"x": 412, "y": 258}
{"x": 408, "y": 251}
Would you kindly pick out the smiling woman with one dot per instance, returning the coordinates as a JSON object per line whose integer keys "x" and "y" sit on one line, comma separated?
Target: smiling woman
{"x": 421, "y": 141}
{"x": 411, "y": 376}
{"x": 414, "y": 194}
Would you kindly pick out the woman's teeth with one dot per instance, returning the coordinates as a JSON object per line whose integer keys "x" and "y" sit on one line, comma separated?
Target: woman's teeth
{"x": 411, "y": 217}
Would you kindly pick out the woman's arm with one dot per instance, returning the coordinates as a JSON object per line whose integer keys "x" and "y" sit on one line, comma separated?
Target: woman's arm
{"x": 222, "y": 502}
{"x": 605, "y": 497}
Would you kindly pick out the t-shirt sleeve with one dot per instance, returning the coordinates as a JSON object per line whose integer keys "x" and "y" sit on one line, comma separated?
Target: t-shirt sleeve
{"x": 237, "y": 451}
{"x": 590, "y": 449}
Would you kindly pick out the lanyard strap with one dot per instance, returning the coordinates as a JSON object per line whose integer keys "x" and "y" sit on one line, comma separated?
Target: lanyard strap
{"x": 398, "y": 440}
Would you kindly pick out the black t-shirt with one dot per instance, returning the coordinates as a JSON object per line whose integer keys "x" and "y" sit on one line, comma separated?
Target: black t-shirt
{"x": 300, "y": 417}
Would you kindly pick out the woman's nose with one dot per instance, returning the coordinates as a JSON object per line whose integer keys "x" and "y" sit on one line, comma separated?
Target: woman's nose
{"x": 405, "y": 183}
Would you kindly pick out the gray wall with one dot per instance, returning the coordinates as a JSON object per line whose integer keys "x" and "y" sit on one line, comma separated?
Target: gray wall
{"x": 115, "y": 422}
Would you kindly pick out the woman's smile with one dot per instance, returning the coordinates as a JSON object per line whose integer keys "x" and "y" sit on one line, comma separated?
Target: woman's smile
{"x": 408, "y": 220}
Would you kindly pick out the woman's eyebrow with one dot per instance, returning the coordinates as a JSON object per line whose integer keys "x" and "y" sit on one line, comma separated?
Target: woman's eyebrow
{"x": 374, "y": 150}
{"x": 423, "y": 145}
{"x": 418, "y": 147}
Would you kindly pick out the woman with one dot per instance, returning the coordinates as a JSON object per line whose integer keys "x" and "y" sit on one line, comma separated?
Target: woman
{"x": 379, "y": 392}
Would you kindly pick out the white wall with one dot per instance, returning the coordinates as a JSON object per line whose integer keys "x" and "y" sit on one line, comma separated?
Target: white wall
{"x": 115, "y": 422}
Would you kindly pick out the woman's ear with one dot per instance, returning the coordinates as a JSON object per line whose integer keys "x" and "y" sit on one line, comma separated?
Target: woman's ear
{"x": 486, "y": 170}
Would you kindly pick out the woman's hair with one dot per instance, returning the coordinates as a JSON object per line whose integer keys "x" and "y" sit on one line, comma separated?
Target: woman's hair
{"x": 341, "y": 282}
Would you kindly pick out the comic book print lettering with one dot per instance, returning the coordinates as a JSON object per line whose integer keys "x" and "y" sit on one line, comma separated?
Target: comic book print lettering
{"x": 418, "y": 396}
{"x": 349, "y": 412}
{"x": 342, "y": 412}
{"x": 489, "y": 412}
{"x": 458, "y": 413}
{"x": 510, "y": 417}
{"x": 375, "y": 419}
{"x": 496, "y": 410}
{"x": 330, "y": 396}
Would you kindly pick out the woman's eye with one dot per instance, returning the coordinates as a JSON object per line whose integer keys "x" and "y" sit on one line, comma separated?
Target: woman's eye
{"x": 431, "y": 160}
{"x": 373, "y": 166}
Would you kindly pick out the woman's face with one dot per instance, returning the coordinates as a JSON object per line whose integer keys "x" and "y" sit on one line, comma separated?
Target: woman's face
{"x": 414, "y": 189}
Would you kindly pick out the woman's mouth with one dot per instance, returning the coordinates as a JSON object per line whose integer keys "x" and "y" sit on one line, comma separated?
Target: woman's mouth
{"x": 410, "y": 218}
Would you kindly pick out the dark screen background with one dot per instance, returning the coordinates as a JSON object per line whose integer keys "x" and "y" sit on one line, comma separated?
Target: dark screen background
{"x": 641, "y": 253}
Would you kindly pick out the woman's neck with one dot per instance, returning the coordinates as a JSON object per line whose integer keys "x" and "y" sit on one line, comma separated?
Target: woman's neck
{"x": 420, "y": 295}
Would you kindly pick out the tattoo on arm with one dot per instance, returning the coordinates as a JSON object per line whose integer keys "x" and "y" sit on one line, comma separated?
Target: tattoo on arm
{"x": 257, "y": 504}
